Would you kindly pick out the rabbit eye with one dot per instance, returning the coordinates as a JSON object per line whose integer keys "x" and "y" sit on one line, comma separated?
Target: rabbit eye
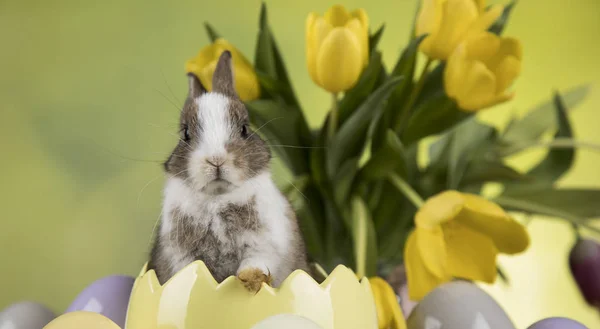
{"x": 244, "y": 131}
{"x": 186, "y": 133}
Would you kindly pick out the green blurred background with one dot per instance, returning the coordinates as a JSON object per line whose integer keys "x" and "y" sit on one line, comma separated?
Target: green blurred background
{"x": 87, "y": 94}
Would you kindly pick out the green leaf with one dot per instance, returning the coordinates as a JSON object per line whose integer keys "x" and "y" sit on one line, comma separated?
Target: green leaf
{"x": 317, "y": 156}
{"x": 365, "y": 240}
{"x": 557, "y": 161}
{"x": 264, "y": 58}
{"x": 413, "y": 33}
{"x": 363, "y": 88}
{"x": 433, "y": 116}
{"x": 213, "y": 35}
{"x": 273, "y": 76}
{"x": 390, "y": 158}
{"x": 297, "y": 186}
{"x": 268, "y": 84}
{"x": 396, "y": 226}
{"x": 374, "y": 38}
{"x": 439, "y": 151}
{"x": 405, "y": 67}
{"x": 538, "y": 121}
{"x": 342, "y": 182}
{"x": 350, "y": 139}
{"x": 312, "y": 222}
{"x": 281, "y": 128}
{"x": 521, "y": 205}
{"x": 579, "y": 202}
{"x": 500, "y": 24}
{"x": 467, "y": 138}
{"x": 502, "y": 275}
{"x": 482, "y": 170}
{"x": 269, "y": 61}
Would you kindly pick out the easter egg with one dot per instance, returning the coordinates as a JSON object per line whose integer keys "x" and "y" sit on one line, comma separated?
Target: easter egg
{"x": 557, "y": 323}
{"x": 458, "y": 305}
{"x": 108, "y": 296}
{"x": 25, "y": 315}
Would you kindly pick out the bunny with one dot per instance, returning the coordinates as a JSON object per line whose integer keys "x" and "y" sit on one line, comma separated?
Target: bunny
{"x": 220, "y": 203}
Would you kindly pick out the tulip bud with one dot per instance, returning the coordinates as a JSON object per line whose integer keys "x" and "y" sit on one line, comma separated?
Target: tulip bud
{"x": 584, "y": 261}
{"x": 337, "y": 47}
{"x": 448, "y": 22}
{"x": 204, "y": 64}
{"x": 481, "y": 69}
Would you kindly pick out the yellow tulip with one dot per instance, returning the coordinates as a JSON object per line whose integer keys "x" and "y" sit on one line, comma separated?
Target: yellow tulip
{"x": 481, "y": 69}
{"x": 458, "y": 235}
{"x": 337, "y": 47}
{"x": 448, "y": 22}
{"x": 204, "y": 64}
{"x": 389, "y": 314}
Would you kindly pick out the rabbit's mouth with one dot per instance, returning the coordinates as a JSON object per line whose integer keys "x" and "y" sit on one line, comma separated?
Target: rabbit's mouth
{"x": 217, "y": 186}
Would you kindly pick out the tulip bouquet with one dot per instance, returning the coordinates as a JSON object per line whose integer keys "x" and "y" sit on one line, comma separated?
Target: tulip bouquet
{"x": 363, "y": 198}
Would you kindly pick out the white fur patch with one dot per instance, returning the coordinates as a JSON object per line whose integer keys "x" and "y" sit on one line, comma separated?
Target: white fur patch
{"x": 213, "y": 115}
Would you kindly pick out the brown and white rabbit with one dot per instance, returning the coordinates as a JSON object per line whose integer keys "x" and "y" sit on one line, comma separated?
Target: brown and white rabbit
{"x": 220, "y": 204}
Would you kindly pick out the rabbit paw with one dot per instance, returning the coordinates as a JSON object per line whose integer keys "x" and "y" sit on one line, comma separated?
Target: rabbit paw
{"x": 253, "y": 278}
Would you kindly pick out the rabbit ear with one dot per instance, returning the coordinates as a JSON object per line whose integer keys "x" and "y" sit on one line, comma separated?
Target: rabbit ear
{"x": 195, "y": 87}
{"x": 223, "y": 80}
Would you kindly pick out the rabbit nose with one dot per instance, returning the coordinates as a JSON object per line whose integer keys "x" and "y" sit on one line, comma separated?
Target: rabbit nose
{"x": 216, "y": 161}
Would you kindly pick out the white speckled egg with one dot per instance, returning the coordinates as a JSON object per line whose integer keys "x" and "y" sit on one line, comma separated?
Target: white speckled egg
{"x": 25, "y": 315}
{"x": 458, "y": 305}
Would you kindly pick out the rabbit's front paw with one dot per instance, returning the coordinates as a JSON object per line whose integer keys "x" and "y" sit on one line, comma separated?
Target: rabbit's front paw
{"x": 253, "y": 278}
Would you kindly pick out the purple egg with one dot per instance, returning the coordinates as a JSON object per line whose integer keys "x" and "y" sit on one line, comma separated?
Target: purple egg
{"x": 557, "y": 323}
{"x": 25, "y": 315}
{"x": 108, "y": 296}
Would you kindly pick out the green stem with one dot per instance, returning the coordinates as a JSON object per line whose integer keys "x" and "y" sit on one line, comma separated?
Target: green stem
{"x": 333, "y": 119}
{"x": 405, "y": 112}
{"x": 407, "y": 190}
{"x": 542, "y": 210}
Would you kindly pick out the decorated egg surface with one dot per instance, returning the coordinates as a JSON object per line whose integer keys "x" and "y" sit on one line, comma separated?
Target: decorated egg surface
{"x": 25, "y": 315}
{"x": 458, "y": 305}
{"x": 108, "y": 296}
{"x": 557, "y": 323}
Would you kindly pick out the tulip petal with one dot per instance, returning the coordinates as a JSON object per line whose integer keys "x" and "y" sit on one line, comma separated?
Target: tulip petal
{"x": 420, "y": 280}
{"x": 429, "y": 17}
{"x": 483, "y": 22}
{"x": 361, "y": 34}
{"x": 339, "y": 60}
{"x": 207, "y": 54}
{"x": 471, "y": 255}
{"x": 310, "y": 22}
{"x": 480, "y": 5}
{"x": 439, "y": 209}
{"x": 455, "y": 70}
{"x": 432, "y": 250}
{"x": 246, "y": 83}
{"x": 457, "y": 16}
{"x": 488, "y": 218}
{"x": 482, "y": 46}
{"x": 337, "y": 16}
{"x": 320, "y": 31}
{"x": 205, "y": 74}
{"x": 479, "y": 88}
{"x": 508, "y": 47}
{"x": 506, "y": 72}
{"x": 362, "y": 16}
